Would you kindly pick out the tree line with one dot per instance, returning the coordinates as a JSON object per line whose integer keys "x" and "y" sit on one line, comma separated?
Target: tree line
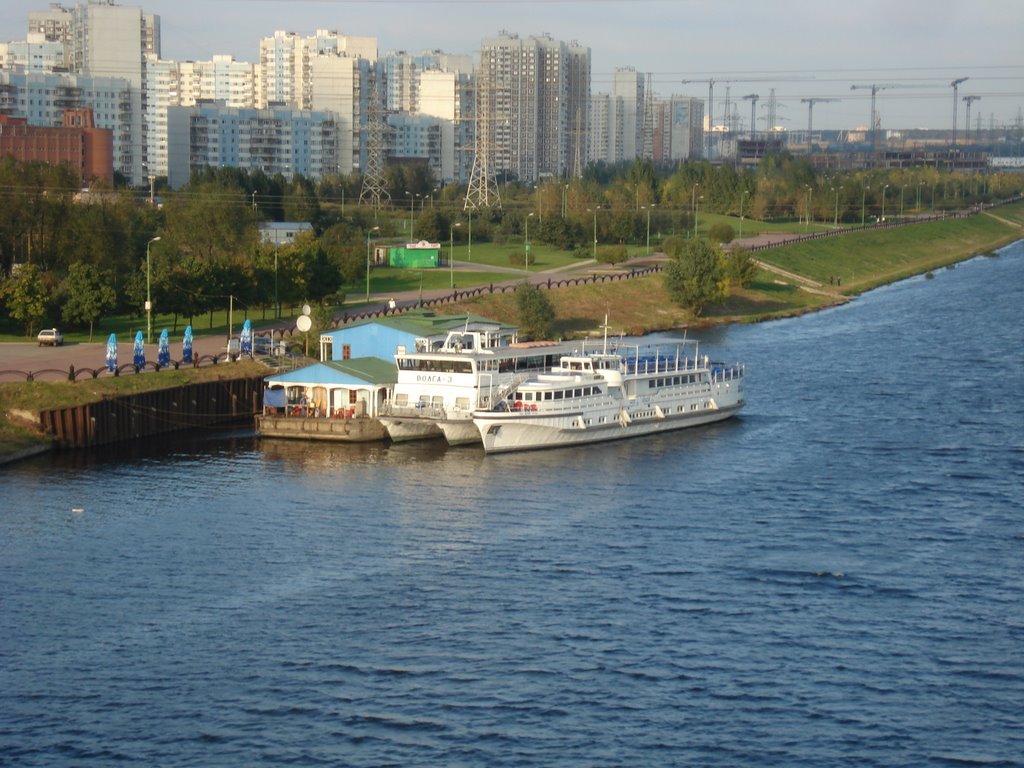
{"x": 72, "y": 257}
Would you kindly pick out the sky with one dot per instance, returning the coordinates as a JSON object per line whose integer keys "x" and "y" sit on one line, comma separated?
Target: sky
{"x": 911, "y": 49}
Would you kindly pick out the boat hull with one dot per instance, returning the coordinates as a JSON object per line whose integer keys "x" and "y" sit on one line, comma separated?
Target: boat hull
{"x": 459, "y": 431}
{"x": 514, "y": 432}
{"x": 406, "y": 428}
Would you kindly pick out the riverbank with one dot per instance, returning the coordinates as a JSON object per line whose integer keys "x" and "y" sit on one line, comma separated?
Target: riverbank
{"x": 794, "y": 279}
{"x": 20, "y": 433}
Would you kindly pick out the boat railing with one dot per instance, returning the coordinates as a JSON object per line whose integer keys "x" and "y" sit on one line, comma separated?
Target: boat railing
{"x": 726, "y": 371}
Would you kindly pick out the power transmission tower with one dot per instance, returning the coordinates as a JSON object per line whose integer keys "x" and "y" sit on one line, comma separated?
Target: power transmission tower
{"x": 482, "y": 190}
{"x": 374, "y": 190}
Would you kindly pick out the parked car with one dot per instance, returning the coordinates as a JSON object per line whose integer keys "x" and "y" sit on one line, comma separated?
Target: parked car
{"x": 50, "y": 337}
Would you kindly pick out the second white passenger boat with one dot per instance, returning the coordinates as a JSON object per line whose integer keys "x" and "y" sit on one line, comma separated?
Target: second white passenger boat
{"x": 589, "y": 398}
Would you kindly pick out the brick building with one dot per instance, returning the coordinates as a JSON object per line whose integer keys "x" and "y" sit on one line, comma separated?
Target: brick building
{"x": 86, "y": 149}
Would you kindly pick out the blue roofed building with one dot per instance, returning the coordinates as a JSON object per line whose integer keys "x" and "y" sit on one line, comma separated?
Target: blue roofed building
{"x": 419, "y": 330}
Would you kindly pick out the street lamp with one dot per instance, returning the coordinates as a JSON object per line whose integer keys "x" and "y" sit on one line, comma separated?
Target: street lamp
{"x": 469, "y": 247}
{"x": 526, "y": 246}
{"x": 883, "y": 201}
{"x": 412, "y": 201}
{"x": 807, "y": 210}
{"x": 598, "y": 208}
{"x": 648, "y": 209}
{"x": 745, "y": 193}
{"x": 835, "y": 221}
{"x": 149, "y": 300}
{"x": 693, "y": 207}
{"x": 863, "y": 199}
{"x": 451, "y": 252}
{"x": 254, "y": 201}
{"x": 375, "y": 229}
{"x": 902, "y": 190}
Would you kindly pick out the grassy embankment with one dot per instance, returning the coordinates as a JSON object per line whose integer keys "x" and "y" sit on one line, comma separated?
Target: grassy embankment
{"x": 856, "y": 263}
{"x": 861, "y": 261}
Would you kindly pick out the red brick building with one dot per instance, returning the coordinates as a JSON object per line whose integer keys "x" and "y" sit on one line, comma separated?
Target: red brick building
{"x": 86, "y": 149}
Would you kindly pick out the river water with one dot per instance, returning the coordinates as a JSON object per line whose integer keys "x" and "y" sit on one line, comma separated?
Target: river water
{"x": 833, "y": 578}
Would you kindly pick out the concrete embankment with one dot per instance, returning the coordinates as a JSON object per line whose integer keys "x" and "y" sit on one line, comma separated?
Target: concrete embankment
{"x": 129, "y": 417}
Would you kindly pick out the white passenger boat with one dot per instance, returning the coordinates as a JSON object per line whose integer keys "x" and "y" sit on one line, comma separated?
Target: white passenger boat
{"x": 589, "y": 398}
{"x": 437, "y": 390}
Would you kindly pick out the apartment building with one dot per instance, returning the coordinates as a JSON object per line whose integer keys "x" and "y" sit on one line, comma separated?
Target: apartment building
{"x": 533, "y": 96}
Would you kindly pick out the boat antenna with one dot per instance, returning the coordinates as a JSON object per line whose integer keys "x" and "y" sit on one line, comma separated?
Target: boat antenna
{"x": 605, "y": 328}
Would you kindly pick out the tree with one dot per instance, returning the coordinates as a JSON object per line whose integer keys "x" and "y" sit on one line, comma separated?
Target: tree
{"x": 694, "y": 275}
{"x": 536, "y": 315}
{"x": 88, "y": 294}
{"x": 26, "y": 296}
{"x": 740, "y": 268}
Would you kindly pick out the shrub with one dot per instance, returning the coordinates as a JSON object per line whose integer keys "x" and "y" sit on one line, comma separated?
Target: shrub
{"x": 721, "y": 233}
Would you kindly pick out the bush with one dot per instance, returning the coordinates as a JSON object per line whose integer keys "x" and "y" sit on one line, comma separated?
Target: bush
{"x": 611, "y": 254}
{"x": 721, "y": 233}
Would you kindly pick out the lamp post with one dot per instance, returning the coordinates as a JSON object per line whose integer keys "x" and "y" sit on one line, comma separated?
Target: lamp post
{"x": 375, "y": 229}
{"x": 902, "y": 190}
{"x": 277, "y": 301}
{"x": 469, "y": 247}
{"x": 835, "y": 220}
{"x": 254, "y": 202}
{"x": 696, "y": 213}
{"x": 883, "y": 201}
{"x": 807, "y": 208}
{"x": 412, "y": 201}
{"x": 565, "y": 188}
{"x": 526, "y": 246}
{"x": 693, "y": 207}
{"x": 745, "y": 193}
{"x": 919, "y": 185}
{"x": 648, "y": 209}
{"x": 863, "y": 199}
{"x": 149, "y": 300}
{"x": 451, "y": 252}
{"x": 596, "y": 209}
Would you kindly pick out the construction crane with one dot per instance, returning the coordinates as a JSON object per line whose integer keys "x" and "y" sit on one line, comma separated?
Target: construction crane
{"x": 810, "y": 113}
{"x": 967, "y": 122}
{"x": 875, "y": 88}
{"x": 753, "y": 98}
{"x": 955, "y": 85}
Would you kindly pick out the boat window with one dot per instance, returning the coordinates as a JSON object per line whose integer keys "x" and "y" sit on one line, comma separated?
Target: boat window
{"x": 437, "y": 401}
{"x": 402, "y": 399}
{"x": 577, "y": 393}
{"x": 559, "y": 395}
{"x": 547, "y": 395}
{"x": 462, "y": 402}
{"x": 527, "y": 396}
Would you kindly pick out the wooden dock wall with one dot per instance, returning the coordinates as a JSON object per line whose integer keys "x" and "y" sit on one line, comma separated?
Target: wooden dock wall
{"x": 129, "y": 417}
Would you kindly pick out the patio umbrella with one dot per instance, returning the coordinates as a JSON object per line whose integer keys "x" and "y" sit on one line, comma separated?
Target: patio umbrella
{"x": 139, "y": 353}
{"x": 186, "y": 346}
{"x": 112, "y": 352}
{"x": 163, "y": 355}
{"x": 246, "y": 338}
